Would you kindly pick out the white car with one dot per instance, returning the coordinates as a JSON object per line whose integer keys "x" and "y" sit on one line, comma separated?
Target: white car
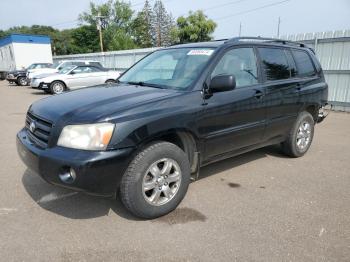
{"x": 57, "y": 66}
{"x": 74, "y": 77}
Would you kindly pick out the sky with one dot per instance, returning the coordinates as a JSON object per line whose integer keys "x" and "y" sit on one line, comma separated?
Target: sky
{"x": 257, "y": 17}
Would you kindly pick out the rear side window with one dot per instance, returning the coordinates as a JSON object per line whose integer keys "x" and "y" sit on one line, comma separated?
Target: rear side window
{"x": 304, "y": 64}
{"x": 96, "y": 64}
{"x": 275, "y": 63}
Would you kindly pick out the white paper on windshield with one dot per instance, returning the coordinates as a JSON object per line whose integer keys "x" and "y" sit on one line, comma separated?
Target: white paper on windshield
{"x": 200, "y": 52}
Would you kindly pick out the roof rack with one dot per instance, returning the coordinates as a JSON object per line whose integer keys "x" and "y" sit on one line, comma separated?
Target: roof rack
{"x": 266, "y": 39}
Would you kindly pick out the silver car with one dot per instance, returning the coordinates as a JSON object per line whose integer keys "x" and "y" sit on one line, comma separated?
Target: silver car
{"x": 74, "y": 77}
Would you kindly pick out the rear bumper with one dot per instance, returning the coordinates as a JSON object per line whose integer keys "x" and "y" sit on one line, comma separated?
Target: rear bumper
{"x": 97, "y": 173}
{"x": 323, "y": 112}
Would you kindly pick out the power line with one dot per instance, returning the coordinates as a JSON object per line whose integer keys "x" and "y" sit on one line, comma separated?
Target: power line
{"x": 250, "y": 10}
{"x": 222, "y": 5}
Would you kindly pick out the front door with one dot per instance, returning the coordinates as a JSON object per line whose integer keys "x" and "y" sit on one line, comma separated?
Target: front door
{"x": 234, "y": 120}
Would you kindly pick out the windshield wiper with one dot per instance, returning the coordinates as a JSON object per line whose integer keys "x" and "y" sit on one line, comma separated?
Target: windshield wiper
{"x": 140, "y": 83}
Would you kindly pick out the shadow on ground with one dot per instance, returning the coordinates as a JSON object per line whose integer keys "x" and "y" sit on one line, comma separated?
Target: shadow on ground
{"x": 70, "y": 204}
{"x": 82, "y": 206}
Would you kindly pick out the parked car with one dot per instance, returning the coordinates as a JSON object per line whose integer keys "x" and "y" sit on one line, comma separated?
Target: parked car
{"x": 62, "y": 64}
{"x": 176, "y": 110}
{"x": 19, "y": 77}
{"x": 74, "y": 77}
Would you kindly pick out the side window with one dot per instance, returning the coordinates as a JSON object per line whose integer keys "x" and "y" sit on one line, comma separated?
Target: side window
{"x": 241, "y": 63}
{"x": 82, "y": 70}
{"x": 95, "y": 69}
{"x": 96, "y": 64}
{"x": 292, "y": 65}
{"x": 275, "y": 63}
{"x": 304, "y": 64}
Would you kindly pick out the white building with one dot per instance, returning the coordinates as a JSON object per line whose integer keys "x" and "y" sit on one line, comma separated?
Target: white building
{"x": 18, "y": 51}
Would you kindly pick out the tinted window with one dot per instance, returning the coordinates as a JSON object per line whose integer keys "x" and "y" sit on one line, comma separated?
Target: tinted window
{"x": 241, "y": 63}
{"x": 304, "y": 64}
{"x": 275, "y": 63}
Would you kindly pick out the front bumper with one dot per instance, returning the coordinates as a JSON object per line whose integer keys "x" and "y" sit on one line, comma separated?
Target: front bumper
{"x": 97, "y": 172}
{"x": 11, "y": 78}
{"x": 40, "y": 85}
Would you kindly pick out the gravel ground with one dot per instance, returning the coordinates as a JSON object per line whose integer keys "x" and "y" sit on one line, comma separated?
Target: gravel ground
{"x": 260, "y": 206}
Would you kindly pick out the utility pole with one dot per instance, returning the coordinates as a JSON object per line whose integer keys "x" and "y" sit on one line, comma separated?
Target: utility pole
{"x": 100, "y": 25}
{"x": 240, "y": 29}
{"x": 278, "y": 27}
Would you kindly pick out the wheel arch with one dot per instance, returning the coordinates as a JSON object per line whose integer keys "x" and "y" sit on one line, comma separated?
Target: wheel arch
{"x": 313, "y": 110}
{"x": 182, "y": 138}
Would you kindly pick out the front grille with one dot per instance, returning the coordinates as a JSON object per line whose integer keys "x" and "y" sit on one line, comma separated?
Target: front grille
{"x": 40, "y": 131}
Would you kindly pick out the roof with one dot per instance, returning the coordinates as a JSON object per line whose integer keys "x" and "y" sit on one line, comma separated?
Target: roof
{"x": 240, "y": 40}
{"x": 212, "y": 44}
{"x": 23, "y": 38}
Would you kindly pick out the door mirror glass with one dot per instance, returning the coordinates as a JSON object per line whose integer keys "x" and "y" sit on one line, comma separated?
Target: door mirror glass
{"x": 222, "y": 83}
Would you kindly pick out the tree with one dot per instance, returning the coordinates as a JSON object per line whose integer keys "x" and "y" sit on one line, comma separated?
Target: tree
{"x": 117, "y": 34}
{"x": 162, "y": 25}
{"x": 142, "y": 27}
{"x": 84, "y": 39}
{"x": 194, "y": 28}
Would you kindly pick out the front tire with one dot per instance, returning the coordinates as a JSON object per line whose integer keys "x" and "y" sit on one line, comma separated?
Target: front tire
{"x": 156, "y": 180}
{"x": 57, "y": 87}
{"x": 22, "y": 81}
{"x": 300, "y": 136}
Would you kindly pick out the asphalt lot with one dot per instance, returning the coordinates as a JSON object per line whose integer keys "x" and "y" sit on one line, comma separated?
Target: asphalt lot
{"x": 260, "y": 206}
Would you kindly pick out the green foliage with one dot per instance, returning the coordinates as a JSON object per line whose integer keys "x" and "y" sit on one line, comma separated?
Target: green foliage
{"x": 162, "y": 24}
{"x": 142, "y": 27}
{"x": 123, "y": 29}
{"x": 84, "y": 39}
{"x": 194, "y": 28}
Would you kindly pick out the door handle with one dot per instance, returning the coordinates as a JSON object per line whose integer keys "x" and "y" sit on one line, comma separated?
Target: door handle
{"x": 258, "y": 94}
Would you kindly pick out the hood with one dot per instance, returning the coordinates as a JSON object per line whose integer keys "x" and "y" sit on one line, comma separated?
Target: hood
{"x": 96, "y": 104}
{"x": 44, "y": 75}
{"x": 17, "y": 72}
{"x": 43, "y": 71}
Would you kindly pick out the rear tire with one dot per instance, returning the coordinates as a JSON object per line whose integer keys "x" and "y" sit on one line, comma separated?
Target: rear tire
{"x": 156, "y": 180}
{"x": 57, "y": 87}
{"x": 300, "y": 136}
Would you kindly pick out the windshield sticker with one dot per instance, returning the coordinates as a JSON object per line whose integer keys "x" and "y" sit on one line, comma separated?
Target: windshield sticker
{"x": 200, "y": 52}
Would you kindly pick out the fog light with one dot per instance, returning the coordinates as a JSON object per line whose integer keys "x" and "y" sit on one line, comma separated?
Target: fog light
{"x": 68, "y": 177}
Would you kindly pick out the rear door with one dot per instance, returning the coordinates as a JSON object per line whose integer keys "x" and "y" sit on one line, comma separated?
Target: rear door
{"x": 281, "y": 90}
{"x": 234, "y": 120}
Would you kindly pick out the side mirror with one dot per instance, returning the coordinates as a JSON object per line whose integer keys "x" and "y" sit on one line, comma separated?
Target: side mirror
{"x": 72, "y": 73}
{"x": 222, "y": 83}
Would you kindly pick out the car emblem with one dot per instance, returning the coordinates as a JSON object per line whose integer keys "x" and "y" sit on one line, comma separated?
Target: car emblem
{"x": 32, "y": 127}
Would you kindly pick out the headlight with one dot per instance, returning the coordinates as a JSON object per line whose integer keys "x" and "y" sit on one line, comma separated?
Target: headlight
{"x": 87, "y": 137}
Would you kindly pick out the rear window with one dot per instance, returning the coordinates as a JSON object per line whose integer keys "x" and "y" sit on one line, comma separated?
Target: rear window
{"x": 275, "y": 63}
{"x": 304, "y": 64}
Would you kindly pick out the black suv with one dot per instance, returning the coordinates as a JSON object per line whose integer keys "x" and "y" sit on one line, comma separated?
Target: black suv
{"x": 177, "y": 109}
{"x": 19, "y": 77}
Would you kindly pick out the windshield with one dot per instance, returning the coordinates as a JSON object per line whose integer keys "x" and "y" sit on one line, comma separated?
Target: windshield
{"x": 66, "y": 69}
{"x": 172, "y": 68}
{"x": 32, "y": 66}
{"x": 54, "y": 65}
